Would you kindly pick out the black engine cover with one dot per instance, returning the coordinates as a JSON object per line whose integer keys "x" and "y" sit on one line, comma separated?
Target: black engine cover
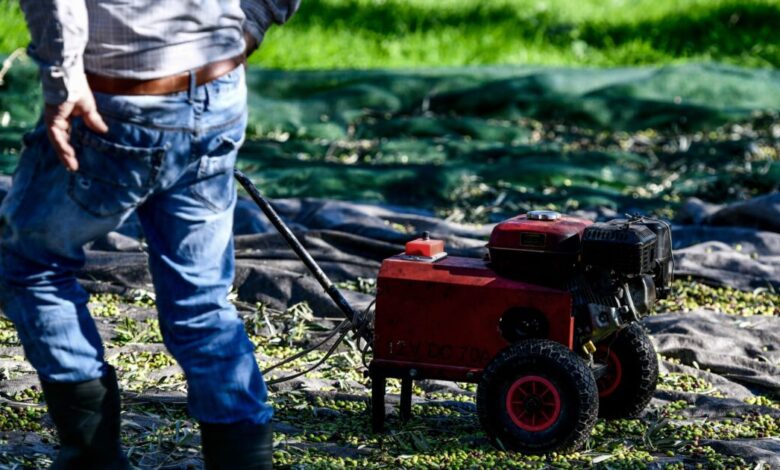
{"x": 622, "y": 246}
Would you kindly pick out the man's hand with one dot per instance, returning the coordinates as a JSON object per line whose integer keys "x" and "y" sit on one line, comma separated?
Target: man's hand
{"x": 57, "y": 118}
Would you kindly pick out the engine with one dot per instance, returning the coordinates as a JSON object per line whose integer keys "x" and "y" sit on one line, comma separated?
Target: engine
{"x": 614, "y": 270}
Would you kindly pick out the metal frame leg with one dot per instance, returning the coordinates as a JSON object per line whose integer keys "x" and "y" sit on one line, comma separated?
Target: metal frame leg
{"x": 378, "y": 382}
{"x": 406, "y": 399}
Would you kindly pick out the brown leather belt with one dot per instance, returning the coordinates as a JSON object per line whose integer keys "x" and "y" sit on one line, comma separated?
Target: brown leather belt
{"x": 163, "y": 85}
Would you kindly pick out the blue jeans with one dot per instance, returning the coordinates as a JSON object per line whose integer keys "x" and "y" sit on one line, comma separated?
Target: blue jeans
{"x": 169, "y": 158}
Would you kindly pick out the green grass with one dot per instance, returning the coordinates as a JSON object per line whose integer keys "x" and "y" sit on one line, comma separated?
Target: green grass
{"x": 412, "y": 33}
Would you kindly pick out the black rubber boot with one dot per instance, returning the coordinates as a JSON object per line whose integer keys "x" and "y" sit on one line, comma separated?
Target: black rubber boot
{"x": 86, "y": 415}
{"x": 239, "y": 446}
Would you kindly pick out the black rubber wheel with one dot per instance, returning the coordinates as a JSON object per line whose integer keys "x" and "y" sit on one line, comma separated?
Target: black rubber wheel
{"x": 537, "y": 396}
{"x": 632, "y": 373}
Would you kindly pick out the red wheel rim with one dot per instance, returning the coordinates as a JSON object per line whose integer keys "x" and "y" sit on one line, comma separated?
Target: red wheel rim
{"x": 609, "y": 382}
{"x": 533, "y": 403}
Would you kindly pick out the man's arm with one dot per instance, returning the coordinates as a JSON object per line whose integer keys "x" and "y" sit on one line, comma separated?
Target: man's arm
{"x": 59, "y": 30}
{"x": 261, "y": 14}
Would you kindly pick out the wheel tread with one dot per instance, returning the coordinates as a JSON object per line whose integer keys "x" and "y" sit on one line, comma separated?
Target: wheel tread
{"x": 587, "y": 391}
{"x": 634, "y": 340}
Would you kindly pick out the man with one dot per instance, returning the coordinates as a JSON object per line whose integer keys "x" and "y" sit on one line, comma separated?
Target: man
{"x": 145, "y": 109}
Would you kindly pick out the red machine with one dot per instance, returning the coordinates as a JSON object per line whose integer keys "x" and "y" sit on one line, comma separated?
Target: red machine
{"x": 548, "y": 338}
{"x": 547, "y": 325}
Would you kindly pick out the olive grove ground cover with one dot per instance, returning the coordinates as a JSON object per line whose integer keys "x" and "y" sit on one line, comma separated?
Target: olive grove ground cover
{"x": 323, "y": 423}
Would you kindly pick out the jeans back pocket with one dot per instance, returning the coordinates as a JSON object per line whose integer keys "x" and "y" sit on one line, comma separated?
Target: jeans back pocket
{"x": 215, "y": 186}
{"x": 114, "y": 176}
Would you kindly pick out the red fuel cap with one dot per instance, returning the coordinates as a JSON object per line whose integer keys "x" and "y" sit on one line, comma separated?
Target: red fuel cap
{"x": 425, "y": 246}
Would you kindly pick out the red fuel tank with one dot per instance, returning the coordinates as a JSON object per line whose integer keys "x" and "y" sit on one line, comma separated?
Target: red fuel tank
{"x": 537, "y": 246}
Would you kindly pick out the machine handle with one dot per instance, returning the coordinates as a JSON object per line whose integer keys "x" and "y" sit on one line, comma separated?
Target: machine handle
{"x": 352, "y": 315}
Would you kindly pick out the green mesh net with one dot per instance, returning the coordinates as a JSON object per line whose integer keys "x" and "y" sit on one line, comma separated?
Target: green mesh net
{"x": 477, "y": 143}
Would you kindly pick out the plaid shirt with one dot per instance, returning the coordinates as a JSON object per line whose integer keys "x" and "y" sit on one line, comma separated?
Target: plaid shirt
{"x": 140, "y": 39}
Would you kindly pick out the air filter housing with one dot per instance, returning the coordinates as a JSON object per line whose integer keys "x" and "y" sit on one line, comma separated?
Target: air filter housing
{"x": 623, "y": 246}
